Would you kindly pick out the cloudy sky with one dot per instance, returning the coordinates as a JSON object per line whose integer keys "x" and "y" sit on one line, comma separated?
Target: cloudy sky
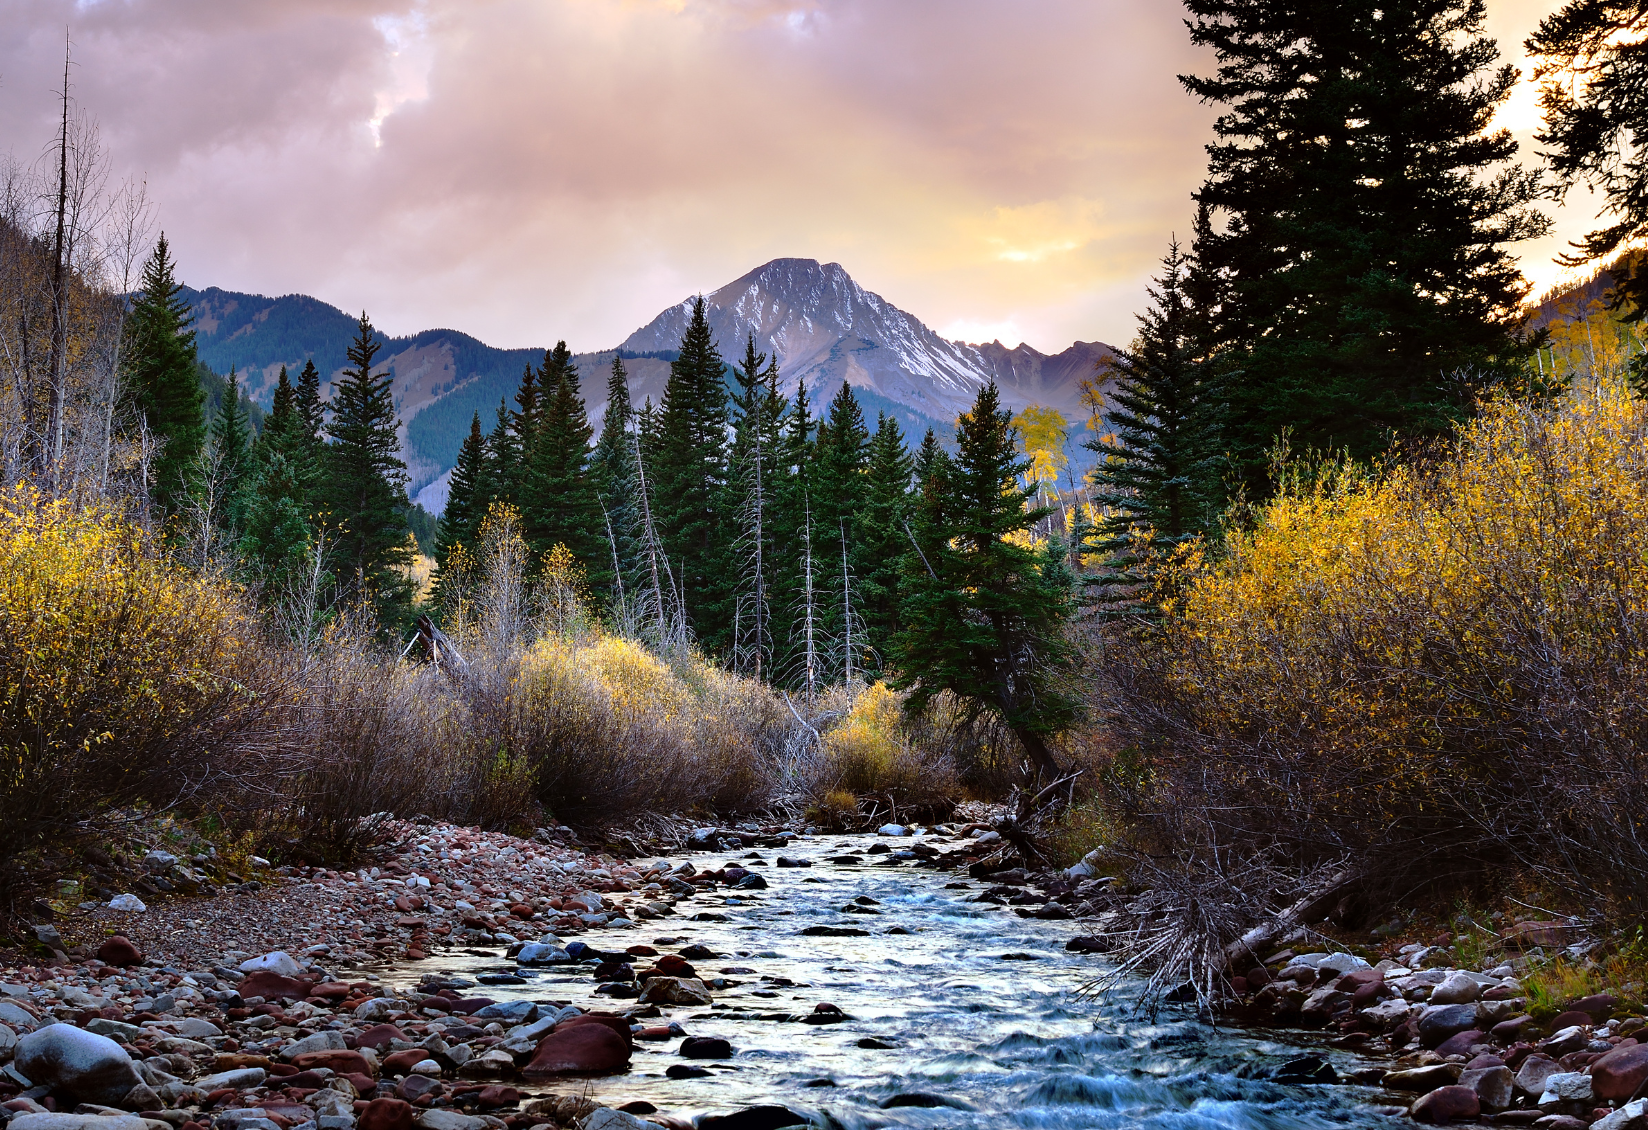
{"x": 527, "y": 170}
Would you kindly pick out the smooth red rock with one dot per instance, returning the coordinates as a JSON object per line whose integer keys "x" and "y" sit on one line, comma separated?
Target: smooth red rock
{"x": 498, "y": 1095}
{"x": 272, "y": 986}
{"x": 617, "y": 1023}
{"x": 343, "y": 1062}
{"x": 674, "y": 965}
{"x": 399, "y": 1063}
{"x": 119, "y": 950}
{"x": 364, "y": 1084}
{"x": 385, "y": 1114}
{"x": 378, "y": 1036}
{"x": 1570, "y": 1019}
{"x": 470, "y": 1005}
{"x": 1618, "y": 1074}
{"x": 1598, "y": 1006}
{"x": 331, "y": 991}
{"x": 578, "y": 1049}
{"x": 1447, "y": 1104}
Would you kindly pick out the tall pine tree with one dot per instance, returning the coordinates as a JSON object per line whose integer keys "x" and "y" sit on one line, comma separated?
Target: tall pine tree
{"x": 840, "y": 459}
{"x": 1156, "y": 478}
{"x": 1363, "y": 213}
{"x": 985, "y": 614}
{"x": 559, "y": 501}
{"x": 612, "y": 465}
{"x": 160, "y": 358}
{"x": 232, "y": 444}
{"x": 882, "y": 540}
{"x": 365, "y": 485}
{"x": 465, "y": 506}
{"x": 752, "y": 464}
{"x": 277, "y": 537}
{"x": 690, "y": 473}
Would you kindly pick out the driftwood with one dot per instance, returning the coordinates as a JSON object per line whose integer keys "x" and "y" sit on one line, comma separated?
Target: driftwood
{"x": 438, "y": 649}
{"x": 1310, "y": 908}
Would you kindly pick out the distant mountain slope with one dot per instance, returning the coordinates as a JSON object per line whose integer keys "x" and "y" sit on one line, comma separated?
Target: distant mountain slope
{"x": 823, "y": 327}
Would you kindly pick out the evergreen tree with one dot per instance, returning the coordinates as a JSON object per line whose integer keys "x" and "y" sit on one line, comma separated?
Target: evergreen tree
{"x": 840, "y": 459}
{"x": 232, "y": 441}
{"x": 985, "y": 614}
{"x": 312, "y": 414}
{"x": 612, "y": 465}
{"x": 793, "y": 524}
{"x": 160, "y": 355}
{"x": 882, "y": 540}
{"x": 365, "y": 483}
{"x": 690, "y": 479}
{"x": 560, "y": 504}
{"x": 461, "y": 520}
{"x": 758, "y": 417}
{"x": 1156, "y": 475}
{"x": 277, "y": 535}
{"x": 1363, "y": 217}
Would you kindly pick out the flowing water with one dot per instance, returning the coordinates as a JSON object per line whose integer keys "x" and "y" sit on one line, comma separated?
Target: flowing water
{"x": 982, "y": 1010}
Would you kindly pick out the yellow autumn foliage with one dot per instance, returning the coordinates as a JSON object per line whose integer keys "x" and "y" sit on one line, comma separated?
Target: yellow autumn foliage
{"x": 1448, "y": 655}
{"x": 869, "y": 754}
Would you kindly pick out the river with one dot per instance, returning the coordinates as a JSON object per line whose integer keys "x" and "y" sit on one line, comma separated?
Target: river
{"x": 979, "y": 1009}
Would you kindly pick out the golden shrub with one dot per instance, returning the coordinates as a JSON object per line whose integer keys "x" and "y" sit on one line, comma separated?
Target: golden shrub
{"x": 869, "y": 754}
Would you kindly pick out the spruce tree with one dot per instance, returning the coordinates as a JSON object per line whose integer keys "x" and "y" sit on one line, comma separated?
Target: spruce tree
{"x": 1363, "y": 214}
{"x": 559, "y": 503}
{"x": 984, "y": 613}
{"x": 758, "y": 415}
{"x": 793, "y": 524}
{"x": 277, "y": 534}
{"x": 465, "y": 507}
{"x": 612, "y": 465}
{"x": 690, "y": 472}
{"x": 840, "y": 459}
{"x": 160, "y": 359}
{"x": 882, "y": 540}
{"x": 365, "y": 484}
{"x": 312, "y": 421}
{"x": 232, "y": 444}
{"x": 1156, "y": 478}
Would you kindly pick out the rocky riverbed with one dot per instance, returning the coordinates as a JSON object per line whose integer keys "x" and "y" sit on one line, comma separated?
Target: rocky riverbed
{"x": 760, "y": 978}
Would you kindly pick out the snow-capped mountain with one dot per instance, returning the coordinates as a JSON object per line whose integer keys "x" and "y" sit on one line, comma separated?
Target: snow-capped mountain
{"x": 825, "y": 329}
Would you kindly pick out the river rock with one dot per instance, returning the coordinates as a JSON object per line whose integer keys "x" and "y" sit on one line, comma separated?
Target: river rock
{"x": 1439, "y": 1022}
{"x": 378, "y": 1036}
{"x": 1564, "y": 1040}
{"x": 436, "y": 1118}
{"x": 1619, "y": 1073}
{"x": 676, "y": 990}
{"x": 278, "y": 962}
{"x": 272, "y": 986}
{"x": 414, "y": 1087}
{"x": 343, "y": 1062}
{"x": 706, "y": 1047}
{"x": 494, "y": 1063}
{"x": 240, "y": 1079}
{"x": 18, "y": 1017}
{"x": 539, "y": 953}
{"x": 1632, "y": 1116}
{"x": 578, "y": 1049}
{"x": 1566, "y": 1092}
{"x": 754, "y": 1118}
{"x": 1456, "y": 988}
{"x": 1491, "y": 1084}
{"x": 606, "y": 1118}
{"x": 1422, "y": 1080}
{"x": 77, "y": 1065}
{"x": 892, "y": 830}
{"x": 1531, "y": 1076}
{"x": 319, "y": 1042}
{"x": 511, "y": 1012}
{"x": 114, "y": 1029}
{"x": 385, "y": 1114}
{"x": 120, "y": 951}
{"x": 127, "y": 902}
{"x": 1461, "y": 1043}
{"x": 65, "y": 1121}
{"x": 1446, "y": 1104}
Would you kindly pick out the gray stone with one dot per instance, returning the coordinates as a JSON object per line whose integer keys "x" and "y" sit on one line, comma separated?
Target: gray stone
{"x": 1340, "y": 963}
{"x": 277, "y": 961}
{"x": 158, "y": 861}
{"x": 8, "y": 1043}
{"x": 1566, "y": 1092}
{"x": 328, "y": 1101}
{"x": 1531, "y": 1076}
{"x": 65, "y": 1121}
{"x": 77, "y": 1064}
{"x": 241, "y": 1079}
{"x": 189, "y": 1027}
{"x": 1456, "y": 988}
{"x": 537, "y": 953}
{"x": 17, "y": 1017}
{"x": 676, "y": 990}
{"x": 1632, "y": 1116}
{"x": 379, "y": 1008}
{"x": 605, "y": 1118}
{"x": 437, "y": 1119}
{"x": 328, "y": 1041}
{"x": 1493, "y": 1086}
{"x": 114, "y": 1029}
{"x": 1386, "y": 1014}
{"x": 515, "y": 1012}
{"x": 1489, "y": 1013}
{"x": 152, "y": 1073}
{"x": 1438, "y": 1022}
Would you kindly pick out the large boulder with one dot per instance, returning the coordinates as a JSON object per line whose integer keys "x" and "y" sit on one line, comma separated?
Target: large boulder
{"x": 120, "y": 951}
{"x": 343, "y": 1062}
{"x": 1447, "y": 1104}
{"x": 578, "y": 1049}
{"x": 1456, "y": 988}
{"x": 1619, "y": 1073}
{"x": 271, "y": 986}
{"x": 1439, "y": 1022}
{"x": 277, "y": 962}
{"x": 676, "y": 990}
{"x": 77, "y": 1065}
